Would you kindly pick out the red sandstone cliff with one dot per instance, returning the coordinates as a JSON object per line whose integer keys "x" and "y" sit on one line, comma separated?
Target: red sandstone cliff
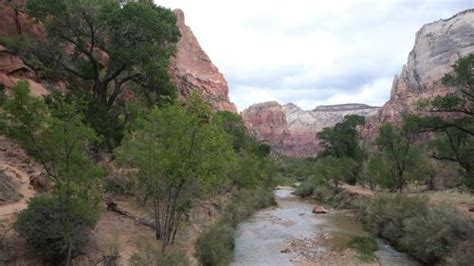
{"x": 292, "y": 131}
{"x": 192, "y": 70}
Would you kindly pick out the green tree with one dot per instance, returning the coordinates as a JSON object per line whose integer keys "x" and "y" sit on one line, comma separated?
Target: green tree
{"x": 335, "y": 169}
{"x": 59, "y": 141}
{"x": 179, "y": 153}
{"x": 110, "y": 46}
{"x": 398, "y": 153}
{"x": 452, "y": 117}
{"x": 342, "y": 140}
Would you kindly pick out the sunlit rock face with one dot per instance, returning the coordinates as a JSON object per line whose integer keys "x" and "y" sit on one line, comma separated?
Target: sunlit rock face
{"x": 192, "y": 70}
{"x": 438, "y": 45}
{"x": 292, "y": 131}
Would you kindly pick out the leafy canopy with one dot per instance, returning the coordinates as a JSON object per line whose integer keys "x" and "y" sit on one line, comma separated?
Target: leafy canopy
{"x": 110, "y": 46}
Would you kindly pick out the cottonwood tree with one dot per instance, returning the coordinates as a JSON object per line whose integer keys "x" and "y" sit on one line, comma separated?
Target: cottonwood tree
{"x": 452, "y": 118}
{"x": 106, "y": 45}
{"x": 342, "y": 141}
{"x": 179, "y": 154}
{"x": 398, "y": 155}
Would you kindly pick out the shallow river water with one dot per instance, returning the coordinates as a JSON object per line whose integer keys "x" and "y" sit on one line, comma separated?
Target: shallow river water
{"x": 260, "y": 240}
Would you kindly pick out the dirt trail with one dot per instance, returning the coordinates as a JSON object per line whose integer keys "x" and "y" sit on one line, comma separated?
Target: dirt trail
{"x": 24, "y": 189}
{"x": 358, "y": 190}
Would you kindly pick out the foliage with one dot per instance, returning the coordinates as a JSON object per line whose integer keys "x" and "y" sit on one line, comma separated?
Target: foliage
{"x": 215, "y": 246}
{"x": 342, "y": 141}
{"x": 431, "y": 237}
{"x": 299, "y": 169}
{"x": 452, "y": 117}
{"x": 59, "y": 230}
{"x": 180, "y": 153}
{"x": 110, "y": 46}
{"x": 365, "y": 246}
{"x": 336, "y": 169}
{"x": 398, "y": 155}
{"x": 59, "y": 140}
{"x": 386, "y": 214}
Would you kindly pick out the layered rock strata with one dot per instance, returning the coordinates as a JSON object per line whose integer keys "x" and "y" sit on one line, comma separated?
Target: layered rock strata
{"x": 292, "y": 131}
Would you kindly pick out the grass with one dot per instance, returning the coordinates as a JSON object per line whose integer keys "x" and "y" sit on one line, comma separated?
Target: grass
{"x": 365, "y": 247}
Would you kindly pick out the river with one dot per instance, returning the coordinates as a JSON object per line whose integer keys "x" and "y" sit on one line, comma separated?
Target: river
{"x": 290, "y": 234}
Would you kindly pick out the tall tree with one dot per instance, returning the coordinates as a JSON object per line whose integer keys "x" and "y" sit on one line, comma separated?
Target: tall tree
{"x": 178, "y": 152}
{"x": 342, "y": 141}
{"x": 452, "y": 117}
{"x": 107, "y": 46}
{"x": 399, "y": 155}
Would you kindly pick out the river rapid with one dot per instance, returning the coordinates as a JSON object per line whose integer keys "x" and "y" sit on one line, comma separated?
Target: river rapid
{"x": 290, "y": 234}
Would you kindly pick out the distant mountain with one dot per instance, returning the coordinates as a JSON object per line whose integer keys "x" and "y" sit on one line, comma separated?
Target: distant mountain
{"x": 291, "y": 130}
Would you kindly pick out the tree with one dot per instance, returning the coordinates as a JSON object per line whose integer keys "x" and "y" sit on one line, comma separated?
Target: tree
{"x": 110, "y": 46}
{"x": 179, "y": 153}
{"x": 342, "y": 140}
{"x": 59, "y": 141}
{"x": 452, "y": 118}
{"x": 335, "y": 169}
{"x": 398, "y": 154}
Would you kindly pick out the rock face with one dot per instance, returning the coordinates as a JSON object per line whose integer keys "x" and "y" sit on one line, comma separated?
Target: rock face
{"x": 291, "y": 130}
{"x": 438, "y": 45}
{"x": 192, "y": 70}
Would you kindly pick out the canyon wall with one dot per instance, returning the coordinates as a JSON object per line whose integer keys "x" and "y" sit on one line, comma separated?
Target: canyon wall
{"x": 292, "y": 131}
{"x": 192, "y": 70}
{"x": 438, "y": 45}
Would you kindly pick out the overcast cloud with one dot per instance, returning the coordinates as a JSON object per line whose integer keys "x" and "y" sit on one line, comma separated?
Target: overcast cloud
{"x": 310, "y": 52}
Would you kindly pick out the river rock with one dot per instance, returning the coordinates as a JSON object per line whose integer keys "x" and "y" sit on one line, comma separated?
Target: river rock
{"x": 319, "y": 209}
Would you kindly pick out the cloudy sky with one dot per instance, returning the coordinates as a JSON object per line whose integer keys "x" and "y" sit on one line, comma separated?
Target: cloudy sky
{"x": 310, "y": 52}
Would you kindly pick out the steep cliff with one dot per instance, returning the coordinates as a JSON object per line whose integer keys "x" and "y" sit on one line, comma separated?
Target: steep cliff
{"x": 192, "y": 70}
{"x": 437, "y": 47}
{"x": 291, "y": 130}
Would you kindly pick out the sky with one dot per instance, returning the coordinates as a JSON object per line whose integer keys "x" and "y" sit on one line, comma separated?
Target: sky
{"x": 310, "y": 52}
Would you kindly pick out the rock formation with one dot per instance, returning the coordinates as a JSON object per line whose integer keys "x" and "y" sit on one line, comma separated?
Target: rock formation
{"x": 438, "y": 45}
{"x": 291, "y": 130}
{"x": 192, "y": 70}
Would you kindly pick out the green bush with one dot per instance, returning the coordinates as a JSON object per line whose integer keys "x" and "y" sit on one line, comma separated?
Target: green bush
{"x": 365, "y": 246}
{"x": 386, "y": 214}
{"x": 432, "y": 236}
{"x": 216, "y": 246}
{"x": 56, "y": 230}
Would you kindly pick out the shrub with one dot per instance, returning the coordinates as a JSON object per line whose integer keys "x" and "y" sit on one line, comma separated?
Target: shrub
{"x": 57, "y": 230}
{"x": 365, "y": 246}
{"x": 386, "y": 214}
{"x": 216, "y": 246}
{"x": 148, "y": 257}
{"x": 432, "y": 236}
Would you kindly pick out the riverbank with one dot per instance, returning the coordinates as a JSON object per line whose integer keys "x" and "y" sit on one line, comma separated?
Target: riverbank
{"x": 432, "y": 231}
{"x": 290, "y": 234}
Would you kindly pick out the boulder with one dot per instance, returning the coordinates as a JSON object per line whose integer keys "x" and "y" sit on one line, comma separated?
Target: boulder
{"x": 319, "y": 210}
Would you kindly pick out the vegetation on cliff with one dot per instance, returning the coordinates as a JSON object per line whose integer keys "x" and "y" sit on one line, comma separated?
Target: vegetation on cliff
{"x": 113, "y": 57}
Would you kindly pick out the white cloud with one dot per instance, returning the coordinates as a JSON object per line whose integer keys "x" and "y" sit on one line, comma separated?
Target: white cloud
{"x": 310, "y": 52}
